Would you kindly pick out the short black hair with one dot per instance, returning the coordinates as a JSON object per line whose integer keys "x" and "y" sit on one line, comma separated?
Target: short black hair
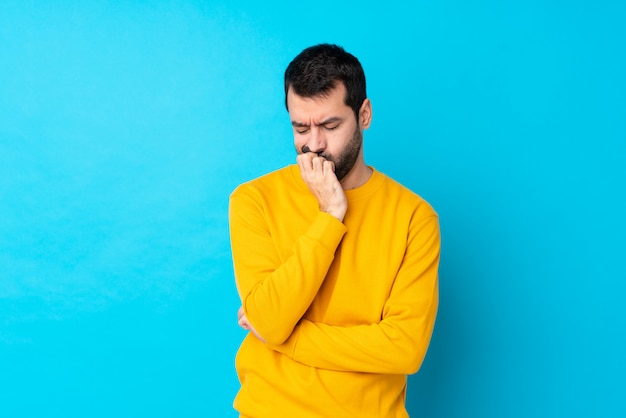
{"x": 317, "y": 69}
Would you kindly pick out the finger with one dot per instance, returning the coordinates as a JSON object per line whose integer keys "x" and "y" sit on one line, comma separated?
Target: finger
{"x": 300, "y": 158}
{"x": 318, "y": 163}
{"x": 300, "y": 161}
{"x": 329, "y": 167}
{"x": 304, "y": 161}
{"x": 307, "y": 156}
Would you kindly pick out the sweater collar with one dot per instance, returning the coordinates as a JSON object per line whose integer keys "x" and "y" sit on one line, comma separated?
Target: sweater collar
{"x": 369, "y": 187}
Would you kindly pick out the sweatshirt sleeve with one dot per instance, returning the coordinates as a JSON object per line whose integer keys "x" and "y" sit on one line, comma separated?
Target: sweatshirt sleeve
{"x": 276, "y": 293}
{"x": 396, "y": 344}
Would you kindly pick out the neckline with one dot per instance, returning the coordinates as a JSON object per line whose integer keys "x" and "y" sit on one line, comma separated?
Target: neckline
{"x": 360, "y": 192}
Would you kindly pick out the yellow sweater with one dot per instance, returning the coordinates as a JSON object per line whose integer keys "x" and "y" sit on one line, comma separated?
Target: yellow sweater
{"x": 347, "y": 309}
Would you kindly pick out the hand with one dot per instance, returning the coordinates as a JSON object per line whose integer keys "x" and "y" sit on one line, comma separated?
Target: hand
{"x": 245, "y": 324}
{"x": 319, "y": 174}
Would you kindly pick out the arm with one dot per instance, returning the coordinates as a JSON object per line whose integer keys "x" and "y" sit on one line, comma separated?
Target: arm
{"x": 275, "y": 293}
{"x": 396, "y": 344}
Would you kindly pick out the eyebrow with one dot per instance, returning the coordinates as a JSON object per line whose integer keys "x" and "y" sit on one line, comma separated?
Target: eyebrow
{"x": 328, "y": 121}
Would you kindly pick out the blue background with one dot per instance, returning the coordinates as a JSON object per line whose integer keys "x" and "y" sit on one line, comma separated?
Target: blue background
{"x": 124, "y": 126}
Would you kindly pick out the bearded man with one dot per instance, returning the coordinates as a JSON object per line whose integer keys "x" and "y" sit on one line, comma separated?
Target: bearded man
{"x": 335, "y": 263}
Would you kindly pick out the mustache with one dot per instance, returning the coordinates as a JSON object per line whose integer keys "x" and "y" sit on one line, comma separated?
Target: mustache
{"x": 305, "y": 149}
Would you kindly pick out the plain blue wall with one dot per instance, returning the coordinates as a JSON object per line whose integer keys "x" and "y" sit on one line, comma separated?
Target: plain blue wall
{"x": 125, "y": 125}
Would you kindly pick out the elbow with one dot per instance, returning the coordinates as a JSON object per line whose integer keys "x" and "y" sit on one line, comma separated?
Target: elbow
{"x": 416, "y": 354}
{"x": 411, "y": 353}
{"x": 267, "y": 328}
{"x": 274, "y": 334}
{"x": 407, "y": 361}
{"x": 413, "y": 362}
{"x": 276, "y": 338}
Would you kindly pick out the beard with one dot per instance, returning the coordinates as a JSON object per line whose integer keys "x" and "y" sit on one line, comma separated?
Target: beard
{"x": 347, "y": 158}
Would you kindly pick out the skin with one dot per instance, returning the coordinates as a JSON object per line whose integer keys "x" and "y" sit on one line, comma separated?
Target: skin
{"x": 326, "y": 126}
{"x": 326, "y": 133}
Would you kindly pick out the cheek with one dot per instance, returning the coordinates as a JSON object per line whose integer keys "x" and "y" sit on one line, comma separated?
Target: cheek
{"x": 338, "y": 140}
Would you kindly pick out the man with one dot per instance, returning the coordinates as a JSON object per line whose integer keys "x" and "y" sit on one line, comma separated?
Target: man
{"x": 335, "y": 263}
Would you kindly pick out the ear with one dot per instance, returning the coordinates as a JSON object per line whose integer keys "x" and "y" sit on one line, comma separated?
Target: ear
{"x": 365, "y": 114}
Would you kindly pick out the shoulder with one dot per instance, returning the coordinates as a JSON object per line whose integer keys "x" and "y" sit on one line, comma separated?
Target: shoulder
{"x": 265, "y": 184}
{"x": 405, "y": 198}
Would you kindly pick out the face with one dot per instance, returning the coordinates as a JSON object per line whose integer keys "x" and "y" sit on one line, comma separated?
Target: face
{"x": 327, "y": 127}
{"x": 348, "y": 157}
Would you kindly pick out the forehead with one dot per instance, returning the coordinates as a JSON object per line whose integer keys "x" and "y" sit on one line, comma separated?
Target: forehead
{"x": 321, "y": 107}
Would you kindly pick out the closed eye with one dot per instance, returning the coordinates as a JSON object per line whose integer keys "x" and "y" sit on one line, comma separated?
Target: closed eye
{"x": 300, "y": 128}
{"x": 331, "y": 123}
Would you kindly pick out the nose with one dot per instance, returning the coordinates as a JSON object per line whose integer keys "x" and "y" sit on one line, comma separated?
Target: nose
{"x": 316, "y": 142}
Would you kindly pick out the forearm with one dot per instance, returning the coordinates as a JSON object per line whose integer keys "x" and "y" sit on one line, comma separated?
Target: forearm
{"x": 394, "y": 345}
{"x": 277, "y": 301}
{"x": 276, "y": 294}
{"x": 398, "y": 342}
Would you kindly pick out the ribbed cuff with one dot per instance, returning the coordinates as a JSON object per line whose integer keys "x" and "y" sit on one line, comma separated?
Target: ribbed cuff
{"x": 327, "y": 230}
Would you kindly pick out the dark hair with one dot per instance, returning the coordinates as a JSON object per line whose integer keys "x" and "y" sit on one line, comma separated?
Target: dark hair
{"x": 317, "y": 69}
